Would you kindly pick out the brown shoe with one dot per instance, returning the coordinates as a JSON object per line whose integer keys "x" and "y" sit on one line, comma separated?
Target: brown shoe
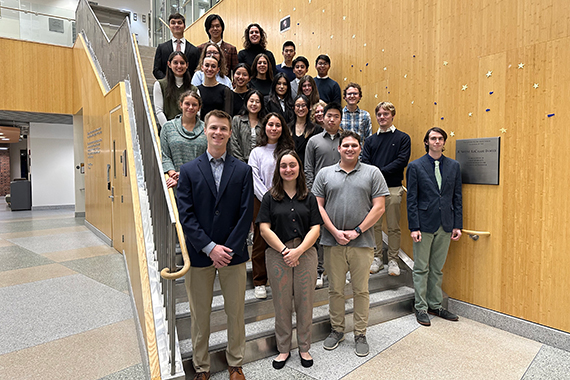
{"x": 202, "y": 376}
{"x": 236, "y": 373}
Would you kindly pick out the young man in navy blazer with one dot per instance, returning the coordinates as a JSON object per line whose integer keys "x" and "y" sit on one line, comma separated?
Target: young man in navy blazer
{"x": 215, "y": 202}
{"x": 435, "y": 216}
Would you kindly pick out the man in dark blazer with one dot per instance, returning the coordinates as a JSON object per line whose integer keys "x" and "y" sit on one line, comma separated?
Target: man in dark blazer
{"x": 177, "y": 24}
{"x": 215, "y": 202}
{"x": 435, "y": 215}
{"x": 215, "y": 29}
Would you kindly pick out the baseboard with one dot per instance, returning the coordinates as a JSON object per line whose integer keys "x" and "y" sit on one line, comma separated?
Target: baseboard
{"x": 99, "y": 234}
{"x": 80, "y": 214}
{"x": 54, "y": 207}
{"x": 530, "y": 330}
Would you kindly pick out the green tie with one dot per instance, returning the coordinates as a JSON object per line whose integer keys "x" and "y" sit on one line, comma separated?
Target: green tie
{"x": 437, "y": 174}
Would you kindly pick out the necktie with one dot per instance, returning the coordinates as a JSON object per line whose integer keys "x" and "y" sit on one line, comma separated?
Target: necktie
{"x": 178, "y": 45}
{"x": 437, "y": 175}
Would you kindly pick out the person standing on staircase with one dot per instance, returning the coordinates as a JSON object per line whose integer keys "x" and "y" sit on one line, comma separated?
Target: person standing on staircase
{"x": 435, "y": 217}
{"x": 350, "y": 195}
{"x": 388, "y": 150}
{"x": 176, "y": 23}
{"x": 215, "y": 203}
{"x": 215, "y": 27}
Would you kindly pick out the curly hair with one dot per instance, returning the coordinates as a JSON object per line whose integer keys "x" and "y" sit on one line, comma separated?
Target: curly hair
{"x": 263, "y": 40}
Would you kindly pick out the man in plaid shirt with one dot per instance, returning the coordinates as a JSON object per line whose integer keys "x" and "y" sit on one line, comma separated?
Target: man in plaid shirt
{"x": 353, "y": 118}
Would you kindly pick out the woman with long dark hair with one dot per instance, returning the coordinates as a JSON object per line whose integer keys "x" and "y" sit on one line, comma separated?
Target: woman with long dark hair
{"x": 254, "y": 43}
{"x": 261, "y": 74}
{"x": 308, "y": 87}
{"x": 301, "y": 127}
{"x": 274, "y": 138}
{"x": 289, "y": 221}
{"x": 279, "y": 98}
{"x": 242, "y": 76}
{"x": 182, "y": 139}
{"x": 246, "y": 127}
{"x": 167, "y": 91}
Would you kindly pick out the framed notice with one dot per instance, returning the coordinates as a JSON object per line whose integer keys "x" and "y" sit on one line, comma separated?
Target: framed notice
{"x": 285, "y": 24}
{"x": 479, "y": 160}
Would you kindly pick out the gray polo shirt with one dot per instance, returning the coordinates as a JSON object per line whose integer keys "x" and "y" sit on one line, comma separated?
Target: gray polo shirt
{"x": 321, "y": 151}
{"x": 348, "y": 199}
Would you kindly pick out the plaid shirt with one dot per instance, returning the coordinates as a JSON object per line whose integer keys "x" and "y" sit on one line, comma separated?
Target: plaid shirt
{"x": 357, "y": 121}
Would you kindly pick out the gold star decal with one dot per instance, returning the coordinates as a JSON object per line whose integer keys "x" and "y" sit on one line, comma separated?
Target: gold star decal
{"x": 535, "y": 85}
{"x": 503, "y": 130}
{"x": 489, "y": 73}
{"x": 445, "y": 63}
{"x": 521, "y": 65}
{"x": 464, "y": 87}
{"x": 452, "y": 133}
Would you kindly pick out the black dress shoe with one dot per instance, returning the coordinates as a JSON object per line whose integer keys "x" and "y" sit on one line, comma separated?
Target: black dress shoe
{"x": 281, "y": 364}
{"x": 422, "y": 318}
{"x": 442, "y": 313}
{"x": 306, "y": 362}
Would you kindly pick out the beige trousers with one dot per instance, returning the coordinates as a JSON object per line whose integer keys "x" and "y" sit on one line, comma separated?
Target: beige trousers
{"x": 392, "y": 215}
{"x": 338, "y": 260}
{"x": 200, "y": 289}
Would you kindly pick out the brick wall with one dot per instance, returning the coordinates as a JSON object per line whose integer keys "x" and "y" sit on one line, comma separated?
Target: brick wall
{"x": 4, "y": 172}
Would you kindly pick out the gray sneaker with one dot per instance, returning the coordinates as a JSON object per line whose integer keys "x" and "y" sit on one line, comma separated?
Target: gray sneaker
{"x": 332, "y": 341}
{"x": 361, "y": 345}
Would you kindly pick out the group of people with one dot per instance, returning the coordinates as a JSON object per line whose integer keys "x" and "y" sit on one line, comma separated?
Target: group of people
{"x": 311, "y": 181}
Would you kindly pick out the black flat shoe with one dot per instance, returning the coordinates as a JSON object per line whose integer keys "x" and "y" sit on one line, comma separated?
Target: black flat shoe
{"x": 304, "y": 362}
{"x": 280, "y": 364}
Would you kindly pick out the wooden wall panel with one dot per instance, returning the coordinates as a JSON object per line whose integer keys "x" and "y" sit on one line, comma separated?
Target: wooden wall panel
{"x": 430, "y": 49}
{"x": 35, "y": 77}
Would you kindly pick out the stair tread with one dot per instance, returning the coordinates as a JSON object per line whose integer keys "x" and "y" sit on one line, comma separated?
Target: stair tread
{"x": 267, "y": 326}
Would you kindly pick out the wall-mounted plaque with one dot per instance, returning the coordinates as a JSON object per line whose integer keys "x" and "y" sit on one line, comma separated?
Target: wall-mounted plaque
{"x": 285, "y": 24}
{"x": 479, "y": 160}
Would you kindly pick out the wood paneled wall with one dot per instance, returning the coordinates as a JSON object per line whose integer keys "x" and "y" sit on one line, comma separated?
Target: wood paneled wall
{"x": 35, "y": 77}
{"x": 418, "y": 55}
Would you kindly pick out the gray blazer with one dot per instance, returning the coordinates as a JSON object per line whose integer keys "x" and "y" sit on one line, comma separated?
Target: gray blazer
{"x": 241, "y": 144}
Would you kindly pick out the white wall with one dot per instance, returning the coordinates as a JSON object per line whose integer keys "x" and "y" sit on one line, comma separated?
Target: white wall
{"x": 52, "y": 164}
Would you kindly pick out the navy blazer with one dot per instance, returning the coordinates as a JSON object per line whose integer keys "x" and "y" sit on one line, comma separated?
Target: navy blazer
{"x": 428, "y": 207}
{"x": 207, "y": 215}
{"x": 164, "y": 50}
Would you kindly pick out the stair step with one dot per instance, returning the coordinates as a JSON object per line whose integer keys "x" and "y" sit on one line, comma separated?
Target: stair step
{"x": 385, "y": 305}
{"x": 259, "y": 309}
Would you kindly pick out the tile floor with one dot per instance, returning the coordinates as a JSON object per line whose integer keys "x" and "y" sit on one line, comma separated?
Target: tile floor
{"x": 66, "y": 314}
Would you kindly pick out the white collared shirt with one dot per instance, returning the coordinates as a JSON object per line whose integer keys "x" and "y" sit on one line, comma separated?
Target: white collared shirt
{"x": 391, "y": 129}
{"x": 182, "y": 44}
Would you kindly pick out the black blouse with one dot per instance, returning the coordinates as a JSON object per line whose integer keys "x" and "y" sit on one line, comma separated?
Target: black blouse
{"x": 301, "y": 141}
{"x": 290, "y": 218}
{"x": 261, "y": 85}
{"x": 218, "y": 97}
{"x": 238, "y": 102}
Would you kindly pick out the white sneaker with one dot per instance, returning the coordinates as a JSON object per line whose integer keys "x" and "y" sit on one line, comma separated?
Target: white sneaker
{"x": 260, "y": 292}
{"x": 393, "y": 268}
{"x": 319, "y": 281}
{"x": 376, "y": 266}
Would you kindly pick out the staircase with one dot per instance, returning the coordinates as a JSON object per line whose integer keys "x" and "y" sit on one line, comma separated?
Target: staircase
{"x": 390, "y": 297}
{"x": 147, "y": 58}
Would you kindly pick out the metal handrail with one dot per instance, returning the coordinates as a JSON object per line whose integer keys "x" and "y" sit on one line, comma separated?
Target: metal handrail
{"x": 119, "y": 61}
{"x": 26, "y": 11}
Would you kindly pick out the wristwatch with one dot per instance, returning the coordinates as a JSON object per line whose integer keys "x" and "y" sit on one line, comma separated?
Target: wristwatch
{"x": 358, "y": 231}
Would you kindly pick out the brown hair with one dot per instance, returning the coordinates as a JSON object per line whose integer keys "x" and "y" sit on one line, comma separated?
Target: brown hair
{"x": 314, "y": 97}
{"x": 345, "y": 134}
{"x": 285, "y": 141}
{"x": 434, "y": 129}
{"x": 262, "y": 41}
{"x": 386, "y": 106}
{"x": 314, "y": 109}
{"x": 220, "y": 115}
{"x": 277, "y": 191}
{"x": 191, "y": 93}
{"x": 269, "y": 67}
{"x": 221, "y": 61}
{"x": 354, "y": 85}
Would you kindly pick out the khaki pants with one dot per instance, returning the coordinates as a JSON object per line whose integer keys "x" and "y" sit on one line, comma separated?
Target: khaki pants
{"x": 339, "y": 260}
{"x": 200, "y": 289}
{"x": 297, "y": 284}
{"x": 392, "y": 215}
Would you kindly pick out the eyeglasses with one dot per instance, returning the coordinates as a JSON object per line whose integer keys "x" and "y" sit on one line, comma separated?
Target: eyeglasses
{"x": 300, "y": 106}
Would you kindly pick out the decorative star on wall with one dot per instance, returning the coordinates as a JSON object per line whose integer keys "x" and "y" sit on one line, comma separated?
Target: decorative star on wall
{"x": 464, "y": 87}
{"x": 535, "y": 85}
{"x": 470, "y": 114}
{"x": 452, "y": 133}
{"x": 489, "y": 73}
{"x": 445, "y": 63}
{"x": 503, "y": 130}
{"x": 521, "y": 65}
{"x": 405, "y": 75}
{"x": 385, "y": 68}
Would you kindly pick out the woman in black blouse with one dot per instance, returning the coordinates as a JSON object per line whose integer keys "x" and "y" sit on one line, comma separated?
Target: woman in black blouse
{"x": 289, "y": 221}
{"x": 261, "y": 74}
{"x": 279, "y": 99}
{"x": 301, "y": 127}
{"x": 215, "y": 96}
{"x": 254, "y": 43}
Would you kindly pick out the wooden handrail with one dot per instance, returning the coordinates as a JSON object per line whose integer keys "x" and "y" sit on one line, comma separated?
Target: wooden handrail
{"x": 473, "y": 232}
{"x": 165, "y": 273}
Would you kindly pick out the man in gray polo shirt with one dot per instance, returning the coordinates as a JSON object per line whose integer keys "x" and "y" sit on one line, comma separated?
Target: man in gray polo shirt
{"x": 350, "y": 195}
